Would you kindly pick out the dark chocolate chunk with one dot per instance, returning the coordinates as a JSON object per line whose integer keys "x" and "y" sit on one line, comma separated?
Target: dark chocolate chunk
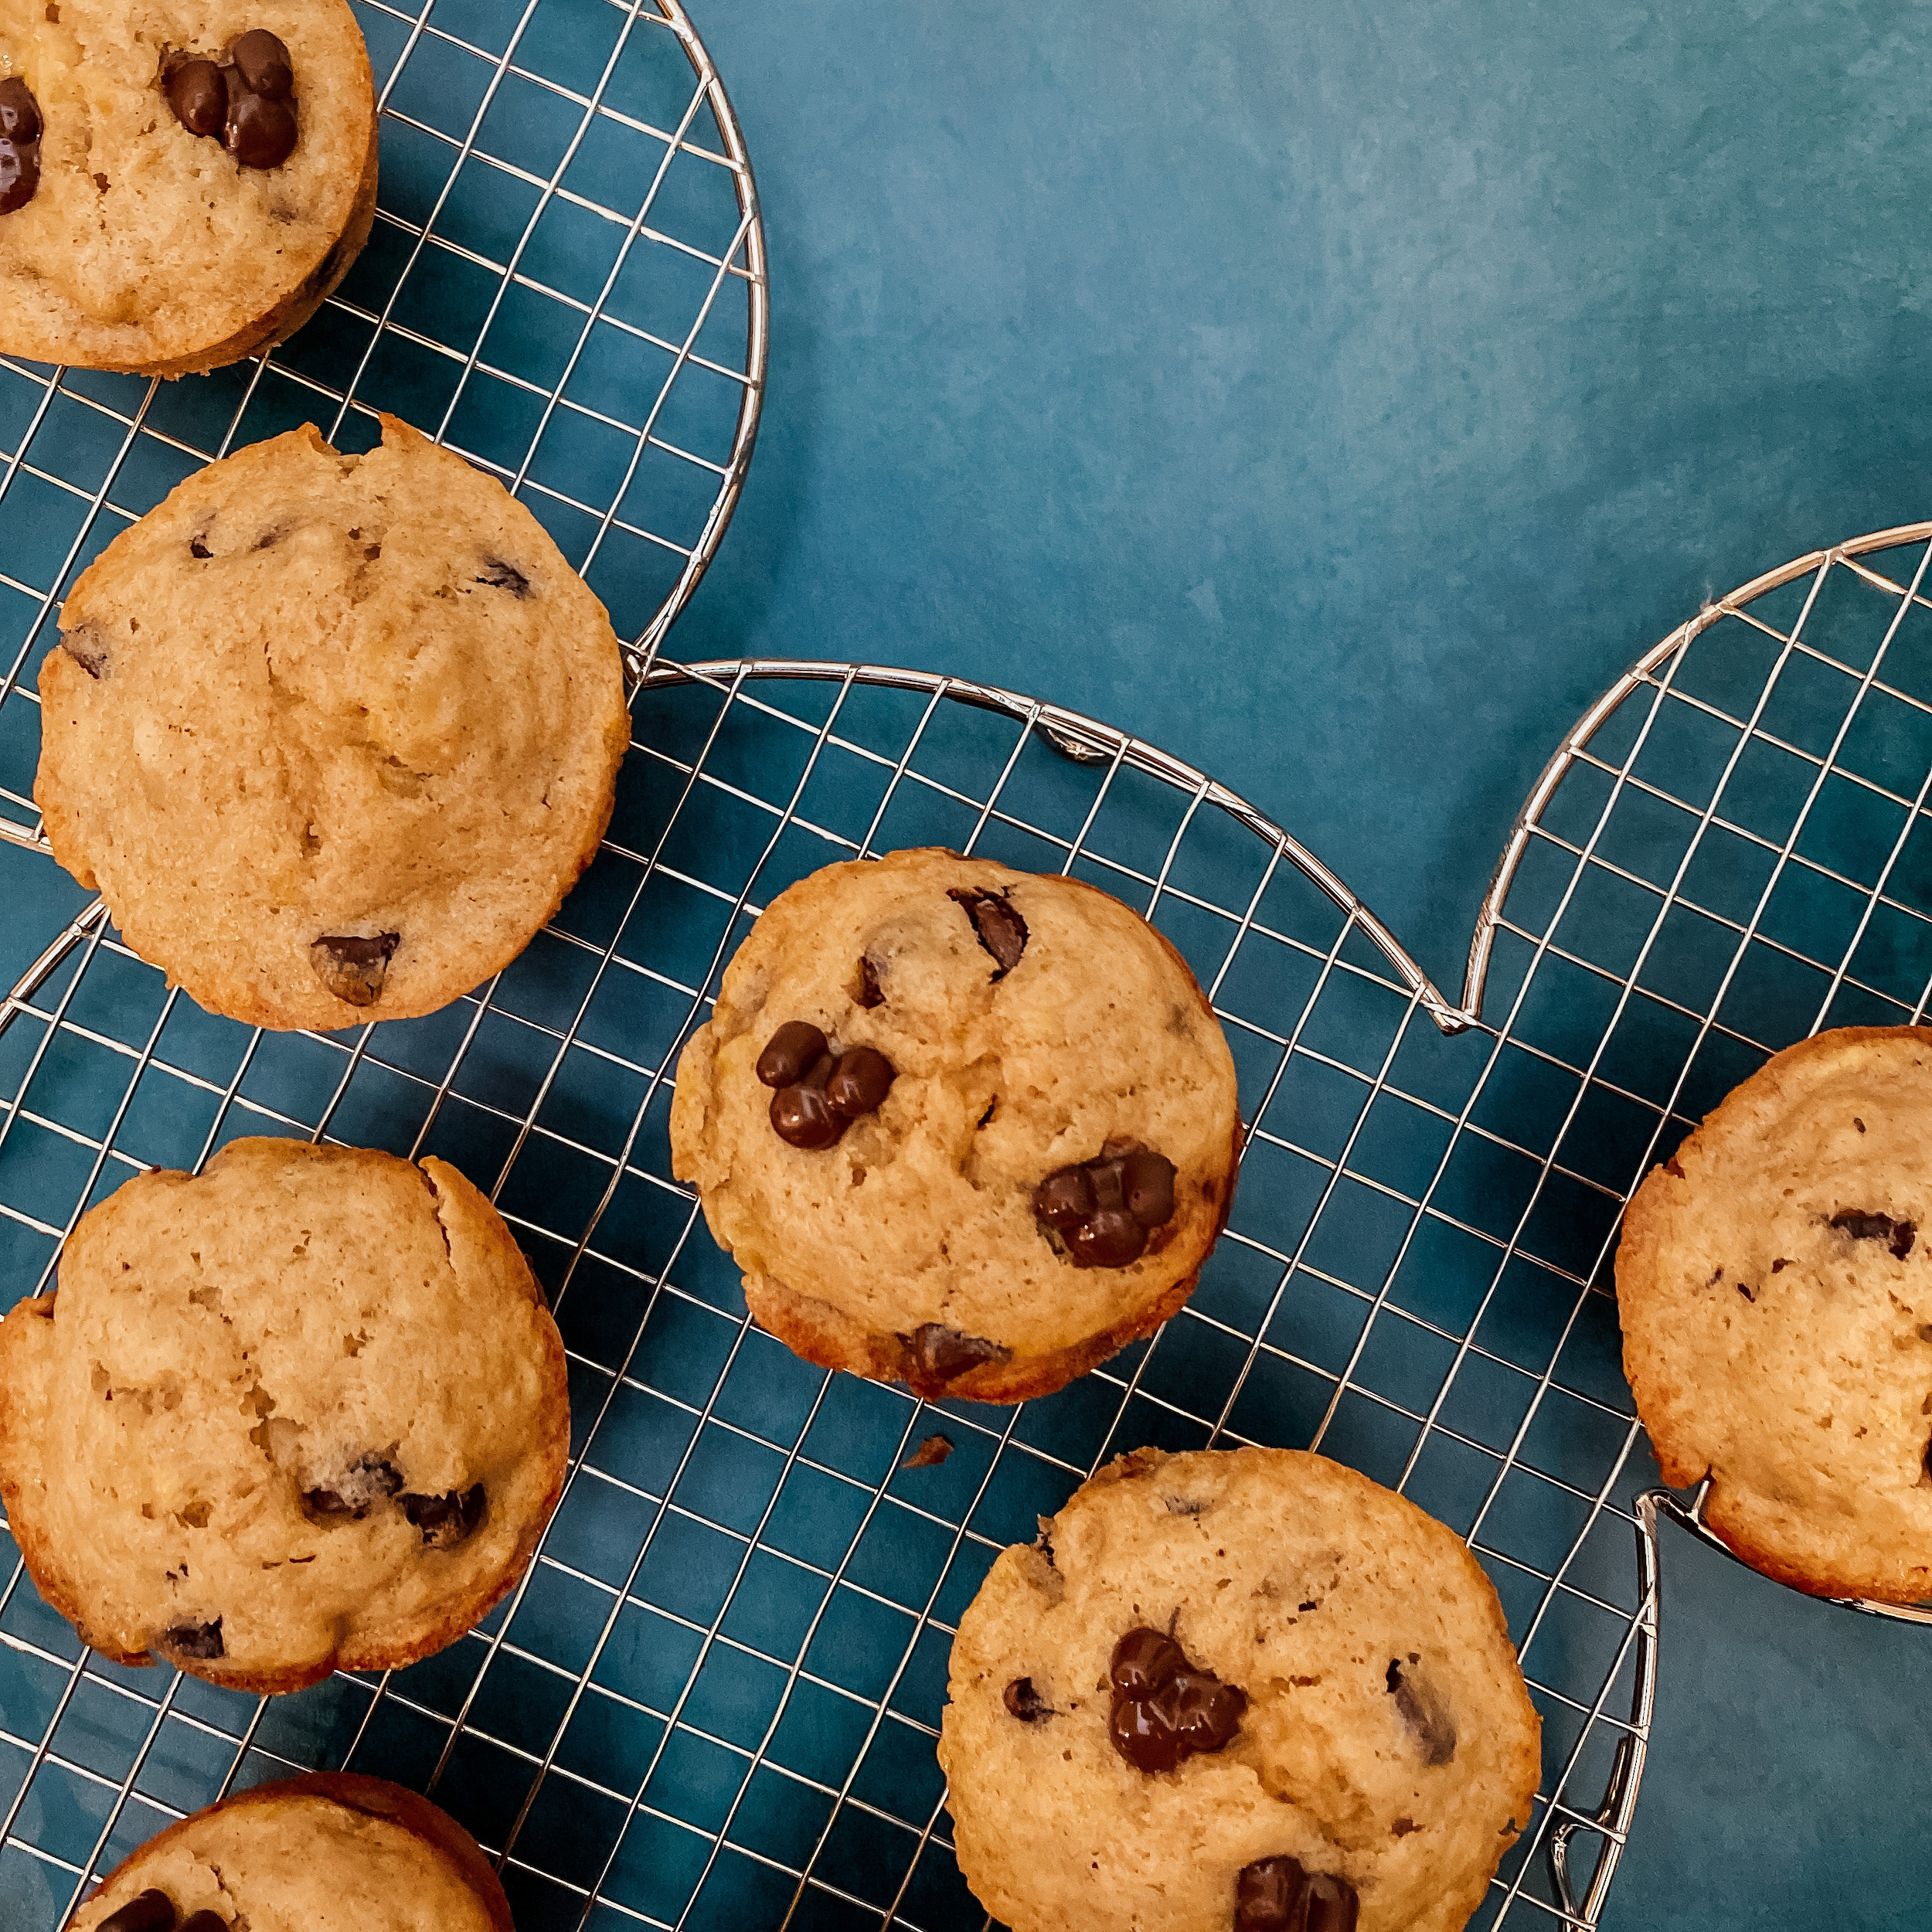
{"x": 1421, "y": 1708}
{"x": 1898, "y": 1236}
{"x": 201, "y": 1641}
{"x": 1065, "y": 1197}
{"x": 353, "y": 967}
{"x": 1147, "y": 1180}
{"x": 445, "y": 1520}
{"x": 260, "y": 131}
{"x": 1025, "y": 1702}
{"x": 1166, "y": 1708}
{"x": 930, "y": 1454}
{"x": 1104, "y": 1209}
{"x": 264, "y": 64}
{"x": 366, "y": 1483}
{"x": 1108, "y": 1238}
{"x": 198, "y": 547}
{"x": 1002, "y": 931}
{"x": 205, "y": 1922}
{"x": 504, "y": 577}
{"x": 151, "y": 1911}
{"x": 794, "y": 1049}
{"x": 1278, "y": 1895}
{"x": 944, "y": 1354}
{"x": 869, "y": 994}
{"x": 800, "y": 1114}
{"x": 198, "y": 96}
{"x": 859, "y": 1082}
{"x": 20, "y": 130}
{"x": 88, "y": 649}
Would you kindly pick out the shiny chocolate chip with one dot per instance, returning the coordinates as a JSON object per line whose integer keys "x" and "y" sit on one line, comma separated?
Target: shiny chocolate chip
{"x": 1166, "y": 1708}
{"x": 504, "y": 577}
{"x": 1105, "y": 1209}
{"x": 20, "y": 130}
{"x": 260, "y": 131}
{"x": 859, "y": 1082}
{"x": 1421, "y": 1708}
{"x": 1147, "y": 1182}
{"x": 940, "y": 1354}
{"x": 201, "y": 1641}
{"x": 264, "y": 64}
{"x": 801, "y": 1116}
{"x": 1898, "y": 1236}
{"x": 1109, "y": 1238}
{"x": 88, "y": 649}
{"x": 205, "y": 1922}
{"x": 1277, "y": 1895}
{"x": 1025, "y": 1702}
{"x": 1065, "y": 1199}
{"x": 198, "y": 96}
{"x": 353, "y": 966}
{"x": 366, "y": 1482}
{"x": 445, "y": 1520}
{"x": 150, "y": 1911}
{"x": 1000, "y": 930}
{"x": 791, "y": 1053}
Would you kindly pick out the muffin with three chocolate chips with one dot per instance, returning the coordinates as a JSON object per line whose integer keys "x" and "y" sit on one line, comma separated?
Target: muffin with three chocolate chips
{"x": 971, "y": 1129}
{"x": 183, "y": 182}
{"x": 1246, "y": 1689}
{"x": 304, "y": 1412}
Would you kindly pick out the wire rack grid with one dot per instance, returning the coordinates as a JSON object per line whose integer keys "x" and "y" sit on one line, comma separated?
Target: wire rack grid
{"x": 566, "y": 283}
{"x": 713, "y": 1700}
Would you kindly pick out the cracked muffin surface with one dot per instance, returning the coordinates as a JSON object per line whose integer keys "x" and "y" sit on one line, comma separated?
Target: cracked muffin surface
{"x": 1775, "y": 1284}
{"x": 980, "y": 1032}
{"x": 333, "y": 1849}
{"x": 143, "y": 245}
{"x": 304, "y": 1412}
{"x": 332, "y": 735}
{"x": 1376, "y": 1734}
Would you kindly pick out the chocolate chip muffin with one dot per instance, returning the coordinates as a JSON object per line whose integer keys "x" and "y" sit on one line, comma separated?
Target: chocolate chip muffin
{"x": 1235, "y": 1691}
{"x": 332, "y": 735}
{"x": 329, "y": 1849}
{"x": 305, "y": 1412}
{"x": 967, "y": 1127}
{"x": 1775, "y": 1287}
{"x": 183, "y": 182}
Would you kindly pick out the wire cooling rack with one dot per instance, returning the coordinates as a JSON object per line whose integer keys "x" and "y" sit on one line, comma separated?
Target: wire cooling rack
{"x": 565, "y": 282}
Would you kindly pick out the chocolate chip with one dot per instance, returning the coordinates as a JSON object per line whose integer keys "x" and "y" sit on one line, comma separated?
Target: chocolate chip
{"x": 1898, "y": 1236}
{"x": 445, "y": 1520}
{"x": 504, "y": 577}
{"x": 1002, "y": 931}
{"x": 1025, "y": 1702}
{"x": 353, "y": 966}
{"x": 801, "y": 1116}
{"x": 201, "y": 1641}
{"x": 20, "y": 130}
{"x": 205, "y": 1922}
{"x": 1422, "y": 1709}
{"x": 1278, "y": 1895}
{"x": 88, "y": 649}
{"x": 941, "y": 1354}
{"x": 930, "y": 1454}
{"x": 869, "y": 994}
{"x": 260, "y": 131}
{"x": 151, "y": 1911}
{"x": 198, "y": 96}
{"x": 1165, "y": 1708}
{"x": 367, "y": 1480}
{"x": 1104, "y": 1209}
{"x": 795, "y": 1047}
{"x": 859, "y": 1082}
{"x": 198, "y": 547}
{"x": 264, "y": 63}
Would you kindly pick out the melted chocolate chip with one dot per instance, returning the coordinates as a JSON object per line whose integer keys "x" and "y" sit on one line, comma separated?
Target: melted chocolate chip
{"x": 198, "y": 546}
{"x": 1002, "y": 931}
{"x": 366, "y": 1482}
{"x": 1104, "y": 1209}
{"x": 504, "y": 577}
{"x": 264, "y": 64}
{"x": 199, "y": 96}
{"x": 1277, "y": 1895}
{"x": 940, "y": 1354}
{"x": 1025, "y": 1702}
{"x": 260, "y": 130}
{"x": 20, "y": 130}
{"x": 88, "y": 649}
{"x": 151, "y": 1911}
{"x": 354, "y": 967}
{"x": 1166, "y": 1708}
{"x": 205, "y": 1922}
{"x": 869, "y": 994}
{"x": 1898, "y": 1236}
{"x": 859, "y": 1082}
{"x": 201, "y": 1641}
{"x": 801, "y": 1116}
{"x": 445, "y": 1520}
{"x": 1422, "y": 1709}
{"x": 797, "y": 1047}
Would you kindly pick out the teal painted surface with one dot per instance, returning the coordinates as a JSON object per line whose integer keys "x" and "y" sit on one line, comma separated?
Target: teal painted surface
{"x": 1342, "y": 396}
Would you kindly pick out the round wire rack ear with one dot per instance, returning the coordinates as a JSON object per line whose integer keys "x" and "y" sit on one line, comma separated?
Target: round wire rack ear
{"x": 1729, "y": 851}
{"x": 566, "y": 283}
{"x": 714, "y": 1698}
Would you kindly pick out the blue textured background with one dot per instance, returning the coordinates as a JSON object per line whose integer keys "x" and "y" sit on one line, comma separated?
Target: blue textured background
{"x": 1341, "y": 397}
